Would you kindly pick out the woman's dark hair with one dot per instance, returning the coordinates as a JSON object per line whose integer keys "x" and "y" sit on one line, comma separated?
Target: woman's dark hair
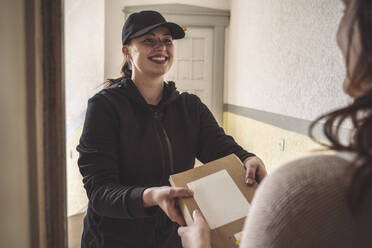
{"x": 359, "y": 112}
{"x": 126, "y": 72}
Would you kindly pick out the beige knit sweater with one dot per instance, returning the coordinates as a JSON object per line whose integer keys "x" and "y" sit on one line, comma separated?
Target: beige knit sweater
{"x": 303, "y": 204}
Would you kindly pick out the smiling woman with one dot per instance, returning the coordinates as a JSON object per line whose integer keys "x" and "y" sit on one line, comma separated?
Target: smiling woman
{"x": 138, "y": 131}
{"x": 151, "y": 55}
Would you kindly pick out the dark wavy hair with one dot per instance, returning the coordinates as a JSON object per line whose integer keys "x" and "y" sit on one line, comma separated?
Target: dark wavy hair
{"x": 359, "y": 112}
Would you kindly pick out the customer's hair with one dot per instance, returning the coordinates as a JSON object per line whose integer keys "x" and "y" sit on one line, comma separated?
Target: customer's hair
{"x": 126, "y": 72}
{"x": 359, "y": 112}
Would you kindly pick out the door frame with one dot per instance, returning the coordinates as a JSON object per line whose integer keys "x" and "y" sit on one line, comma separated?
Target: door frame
{"x": 46, "y": 123}
{"x": 218, "y": 20}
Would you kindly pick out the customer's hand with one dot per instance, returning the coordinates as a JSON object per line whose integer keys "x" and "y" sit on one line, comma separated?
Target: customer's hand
{"x": 166, "y": 198}
{"x": 255, "y": 170}
{"x": 197, "y": 235}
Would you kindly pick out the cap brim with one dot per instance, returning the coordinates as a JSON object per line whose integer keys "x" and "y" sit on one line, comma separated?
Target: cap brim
{"x": 175, "y": 30}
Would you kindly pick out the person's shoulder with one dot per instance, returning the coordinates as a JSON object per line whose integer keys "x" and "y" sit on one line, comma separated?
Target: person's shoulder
{"x": 111, "y": 95}
{"x": 308, "y": 176}
{"x": 303, "y": 203}
{"x": 97, "y": 97}
{"x": 106, "y": 98}
{"x": 112, "y": 89}
{"x": 190, "y": 97}
{"x": 185, "y": 94}
{"x": 306, "y": 168}
{"x": 312, "y": 177}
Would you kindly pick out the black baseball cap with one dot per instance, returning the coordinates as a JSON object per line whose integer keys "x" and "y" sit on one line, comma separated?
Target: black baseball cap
{"x": 140, "y": 23}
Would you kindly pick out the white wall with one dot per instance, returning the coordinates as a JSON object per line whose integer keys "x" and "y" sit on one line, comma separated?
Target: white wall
{"x": 14, "y": 207}
{"x": 283, "y": 56}
{"x": 84, "y": 53}
{"x": 114, "y": 20}
{"x": 84, "y": 67}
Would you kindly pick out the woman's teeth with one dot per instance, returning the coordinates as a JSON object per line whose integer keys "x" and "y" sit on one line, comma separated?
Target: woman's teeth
{"x": 158, "y": 58}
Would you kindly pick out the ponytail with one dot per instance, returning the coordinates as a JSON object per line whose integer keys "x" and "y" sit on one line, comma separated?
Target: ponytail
{"x": 126, "y": 72}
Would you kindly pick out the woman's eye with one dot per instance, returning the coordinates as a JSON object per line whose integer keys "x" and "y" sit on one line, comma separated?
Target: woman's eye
{"x": 149, "y": 41}
{"x": 168, "y": 41}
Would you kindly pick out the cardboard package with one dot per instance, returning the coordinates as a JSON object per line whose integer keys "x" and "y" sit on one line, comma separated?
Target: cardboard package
{"x": 224, "y": 233}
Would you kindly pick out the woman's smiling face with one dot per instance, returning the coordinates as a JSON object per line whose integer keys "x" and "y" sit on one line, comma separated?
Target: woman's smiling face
{"x": 151, "y": 54}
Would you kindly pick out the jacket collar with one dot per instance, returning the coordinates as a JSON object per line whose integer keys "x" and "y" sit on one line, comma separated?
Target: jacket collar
{"x": 170, "y": 93}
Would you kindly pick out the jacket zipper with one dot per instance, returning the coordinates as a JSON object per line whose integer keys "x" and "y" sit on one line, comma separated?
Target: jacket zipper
{"x": 157, "y": 117}
{"x": 167, "y": 141}
{"x": 170, "y": 151}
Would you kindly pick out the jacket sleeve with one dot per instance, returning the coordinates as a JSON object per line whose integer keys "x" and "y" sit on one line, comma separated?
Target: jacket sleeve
{"x": 213, "y": 142}
{"x": 98, "y": 163}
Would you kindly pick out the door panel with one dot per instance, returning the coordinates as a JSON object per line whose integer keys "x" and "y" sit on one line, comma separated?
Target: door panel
{"x": 193, "y": 61}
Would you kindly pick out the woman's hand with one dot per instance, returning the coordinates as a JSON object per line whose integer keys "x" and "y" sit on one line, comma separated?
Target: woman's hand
{"x": 166, "y": 198}
{"x": 197, "y": 235}
{"x": 255, "y": 170}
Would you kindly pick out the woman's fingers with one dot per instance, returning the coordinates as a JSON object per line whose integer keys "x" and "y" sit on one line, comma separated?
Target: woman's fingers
{"x": 182, "y": 230}
{"x": 250, "y": 173}
{"x": 176, "y": 216}
{"x": 174, "y": 213}
{"x": 261, "y": 173}
{"x": 255, "y": 170}
{"x": 180, "y": 192}
{"x": 198, "y": 218}
{"x": 197, "y": 234}
{"x": 167, "y": 198}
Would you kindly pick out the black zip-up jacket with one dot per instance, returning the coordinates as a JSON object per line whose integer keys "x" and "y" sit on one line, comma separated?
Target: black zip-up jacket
{"x": 127, "y": 146}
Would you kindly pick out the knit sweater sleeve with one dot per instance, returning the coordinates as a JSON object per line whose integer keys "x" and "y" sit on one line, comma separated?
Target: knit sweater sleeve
{"x": 301, "y": 204}
{"x": 98, "y": 163}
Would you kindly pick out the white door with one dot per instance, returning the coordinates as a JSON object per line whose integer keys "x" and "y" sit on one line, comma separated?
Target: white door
{"x": 192, "y": 66}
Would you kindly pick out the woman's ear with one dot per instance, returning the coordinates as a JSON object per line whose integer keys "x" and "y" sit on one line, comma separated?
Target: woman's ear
{"x": 125, "y": 51}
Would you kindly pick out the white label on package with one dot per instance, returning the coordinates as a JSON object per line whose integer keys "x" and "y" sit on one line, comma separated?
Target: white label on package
{"x": 219, "y": 199}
